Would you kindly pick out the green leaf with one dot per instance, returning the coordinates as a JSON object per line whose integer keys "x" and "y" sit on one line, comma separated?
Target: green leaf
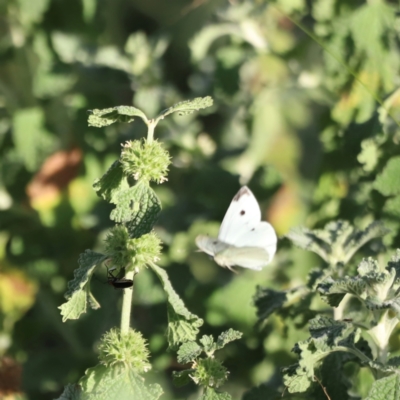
{"x": 370, "y": 153}
{"x": 211, "y": 394}
{"x": 188, "y": 106}
{"x": 31, "y": 12}
{"x": 369, "y": 25}
{"x": 333, "y": 291}
{"x": 376, "y": 289}
{"x": 386, "y": 388}
{"x": 183, "y": 326}
{"x": 333, "y": 377}
{"x": 267, "y": 301}
{"x": 107, "y": 116}
{"x": 31, "y": 139}
{"x": 327, "y": 336}
{"x": 388, "y": 181}
{"x": 71, "y": 392}
{"x": 188, "y": 352}
{"x": 309, "y": 240}
{"x": 338, "y": 241}
{"x": 182, "y": 378}
{"x": 327, "y": 332}
{"x": 395, "y": 264}
{"x": 208, "y": 344}
{"x": 393, "y": 365}
{"x": 111, "y": 183}
{"x": 296, "y": 379}
{"x": 391, "y": 209}
{"x": 138, "y": 207}
{"x": 117, "y": 382}
{"x": 78, "y": 293}
{"x": 226, "y": 337}
{"x": 75, "y": 306}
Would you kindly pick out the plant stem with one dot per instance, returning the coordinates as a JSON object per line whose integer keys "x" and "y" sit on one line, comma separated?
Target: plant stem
{"x": 150, "y": 129}
{"x": 338, "y": 312}
{"x": 127, "y": 305}
{"x": 380, "y": 335}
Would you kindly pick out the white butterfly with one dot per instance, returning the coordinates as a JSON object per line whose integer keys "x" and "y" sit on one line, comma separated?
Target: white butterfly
{"x": 243, "y": 239}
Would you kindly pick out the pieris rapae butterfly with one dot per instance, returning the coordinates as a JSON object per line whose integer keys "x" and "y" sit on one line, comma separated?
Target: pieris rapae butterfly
{"x": 243, "y": 239}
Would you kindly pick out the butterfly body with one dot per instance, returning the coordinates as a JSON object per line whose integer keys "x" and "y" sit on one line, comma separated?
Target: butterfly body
{"x": 243, "y": 239}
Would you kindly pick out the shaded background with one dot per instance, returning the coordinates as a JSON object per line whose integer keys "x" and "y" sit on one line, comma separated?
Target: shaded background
{"x": 289, "y": 120}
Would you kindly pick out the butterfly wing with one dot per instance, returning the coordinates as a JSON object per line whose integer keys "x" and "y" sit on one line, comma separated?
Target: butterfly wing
{"x": 211, "y": 246}
{"x": 242, "y": 216}
{"x": 206, "y": 244}
{"x": 246, "y": 257}
{"x": 243, "y": 239}
{"x": 263, "y": 235}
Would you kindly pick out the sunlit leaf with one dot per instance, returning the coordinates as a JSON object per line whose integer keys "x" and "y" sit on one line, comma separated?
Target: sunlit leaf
{"x": 189, "y": 106}
{"x": 118, "y": 382}
{"x": 387, "y": 388}
{"x": 183, "y": 326}
{"x": 78, "y": 293}
{"x": 107, "y": 116}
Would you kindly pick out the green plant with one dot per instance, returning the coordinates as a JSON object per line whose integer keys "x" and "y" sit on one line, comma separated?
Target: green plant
{"x": 132, "y": 246}
{"x": 292, "y": 121}
{"x": 365, "y": 314}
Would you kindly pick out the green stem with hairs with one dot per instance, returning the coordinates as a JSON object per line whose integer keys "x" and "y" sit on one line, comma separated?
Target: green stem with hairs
{"x": 127, "y": 305}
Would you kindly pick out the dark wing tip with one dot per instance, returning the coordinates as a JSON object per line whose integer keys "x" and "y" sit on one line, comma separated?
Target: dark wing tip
{"x": 244, "y": 190}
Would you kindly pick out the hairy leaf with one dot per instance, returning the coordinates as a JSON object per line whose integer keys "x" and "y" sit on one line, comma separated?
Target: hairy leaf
{"x": 290, "y": 302}
{"x": 395, "y": 264}
{"x": 75, "y": 306}
{"x": 183, "y": 326}
{"x": 386, "y": 388}
{"x": 333, "y": 292}
{"x": 78, "y": 293}
{"x": 189, "y": 106}
{"x": 388, "y": 181}
{"x": 327, "y": 336}
{"x": 377, "y": 290}
{"x": 296, "y": 378}
{"x": 188, "y": 352}
{"x": 182, "y": 378}
{"x": 139, "y": 209}
{"x": 333, "y": 377}
{"x": 107, "y": 116}
{"x": 111, "y": 183}
{"x": 328, "y": 333}
{"x": 309, "y": 240}
{"x": 393, "y": 365}
{"x": 116, "y": 382}
{"x": 208, "y": 344}
{"x": 338, "y": 241}
{"x": 71, "y": 392}
{"x": 267, "y": 301}
{"x": 226, "y": 337}
{"x": 212, "y": 394}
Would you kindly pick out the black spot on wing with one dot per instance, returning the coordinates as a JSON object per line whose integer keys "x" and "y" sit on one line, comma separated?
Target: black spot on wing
{"x": 242, "y": 212}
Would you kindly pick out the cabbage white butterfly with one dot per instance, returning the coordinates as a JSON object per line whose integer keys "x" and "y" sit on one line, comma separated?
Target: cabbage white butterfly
{"x": 243, "y": 239}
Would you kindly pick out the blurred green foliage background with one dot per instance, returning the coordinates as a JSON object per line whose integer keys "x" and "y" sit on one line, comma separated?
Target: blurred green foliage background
{"x": 290, "y": 119}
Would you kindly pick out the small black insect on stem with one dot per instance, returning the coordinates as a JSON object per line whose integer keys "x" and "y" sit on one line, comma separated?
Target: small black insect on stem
{"x": 118, "y": 283}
